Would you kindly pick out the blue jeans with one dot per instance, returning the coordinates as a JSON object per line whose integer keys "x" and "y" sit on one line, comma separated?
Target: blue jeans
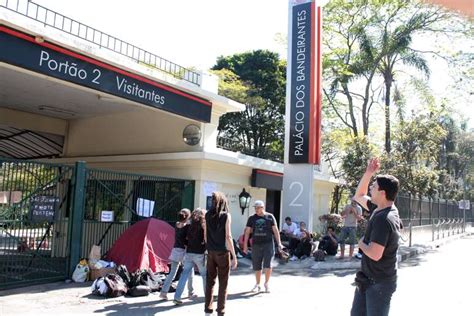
{"x": 189, "y": 261}
{"x": 375, "y": 300}
{"x": 174, "y": 269}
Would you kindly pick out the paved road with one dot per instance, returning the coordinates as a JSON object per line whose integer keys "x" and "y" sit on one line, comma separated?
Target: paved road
{"x": 436, "y": 283}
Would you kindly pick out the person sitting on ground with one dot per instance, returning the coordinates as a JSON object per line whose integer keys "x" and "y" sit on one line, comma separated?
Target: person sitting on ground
{"x": 238, "y": 250}
{"x": 248, "y": 254}
{"x": 303, "y": 250}
{"x": 328, "y": 243}
{"x": 296, "y": 238}
{"x": 288, "y": 229}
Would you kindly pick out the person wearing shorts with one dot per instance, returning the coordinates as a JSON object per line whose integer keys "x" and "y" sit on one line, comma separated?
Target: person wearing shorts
{"x": 351, "y": 214}
{"x": 262, "y": 226}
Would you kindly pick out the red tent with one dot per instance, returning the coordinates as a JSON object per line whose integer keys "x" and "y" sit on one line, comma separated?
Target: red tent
{"x": 146, "y": 244}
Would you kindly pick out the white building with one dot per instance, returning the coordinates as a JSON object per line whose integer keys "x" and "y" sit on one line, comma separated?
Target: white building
{"x": 92, "y": 97}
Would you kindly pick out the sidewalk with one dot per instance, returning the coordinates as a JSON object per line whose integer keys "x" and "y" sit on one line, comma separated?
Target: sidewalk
{"x": 333, "y": 263}
{"x": 311, "y": 278}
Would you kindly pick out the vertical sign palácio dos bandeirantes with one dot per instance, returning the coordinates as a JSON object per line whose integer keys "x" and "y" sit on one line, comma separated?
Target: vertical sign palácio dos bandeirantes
{"x": 304, "y": 95}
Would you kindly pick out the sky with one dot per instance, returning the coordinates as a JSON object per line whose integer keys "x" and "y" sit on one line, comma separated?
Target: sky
{"x": 190, "y": 33}
{"x": 194, "y": 33}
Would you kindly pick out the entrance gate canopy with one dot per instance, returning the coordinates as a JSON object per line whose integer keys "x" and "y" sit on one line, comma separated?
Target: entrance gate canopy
{"x": 25, "y": 144}
{"x": 24, "y": 51}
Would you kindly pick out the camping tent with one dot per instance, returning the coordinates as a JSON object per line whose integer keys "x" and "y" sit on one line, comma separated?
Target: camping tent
{"x": 146, "y": 244}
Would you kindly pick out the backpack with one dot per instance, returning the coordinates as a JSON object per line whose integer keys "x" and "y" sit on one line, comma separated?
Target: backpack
{"x": 319, "y": 255}
{"x": 122, "y": 271}
{"x": 147, "y": 278}
{"x": 116, "y": 286}
{"x": 151, "y": 280}
{"x": 139, "y": 290}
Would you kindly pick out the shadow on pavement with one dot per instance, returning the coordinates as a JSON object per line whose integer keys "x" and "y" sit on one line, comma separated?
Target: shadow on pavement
{"x": 153, "y": 306}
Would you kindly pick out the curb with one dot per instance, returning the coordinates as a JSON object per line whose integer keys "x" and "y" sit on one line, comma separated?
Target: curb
{"x": 421, "y": 249}
{"x": 331, "y": 263}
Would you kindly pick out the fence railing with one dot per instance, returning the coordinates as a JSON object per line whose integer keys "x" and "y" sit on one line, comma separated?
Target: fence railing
{"x": 232, "y": 145}
{"x": 427, "y": 220}
{"x": 58, "y": 21}
{"x": 51, "y": 214}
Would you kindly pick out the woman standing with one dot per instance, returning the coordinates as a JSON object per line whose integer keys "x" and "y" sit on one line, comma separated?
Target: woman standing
{"x": 196, "y": 246}
{"x": 177, "y": 253}
{"x": 219, "y": 247}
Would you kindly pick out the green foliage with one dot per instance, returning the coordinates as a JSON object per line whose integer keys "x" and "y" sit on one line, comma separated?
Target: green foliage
{"x": 256, "y": 79}
{"x": 358, "y": 151}
{"x": 414, "y": 160}
{"x": 456, "y": 160}
{"x": 367, "y": 47}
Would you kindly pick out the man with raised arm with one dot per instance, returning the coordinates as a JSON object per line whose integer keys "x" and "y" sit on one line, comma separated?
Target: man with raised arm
{"x": 377, "y": 280}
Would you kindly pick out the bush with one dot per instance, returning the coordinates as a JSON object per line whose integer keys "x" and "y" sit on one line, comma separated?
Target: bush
{"x": 333, "y": 220}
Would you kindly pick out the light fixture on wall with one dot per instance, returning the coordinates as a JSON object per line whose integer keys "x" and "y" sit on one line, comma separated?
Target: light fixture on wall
{"x": 244, "y": 200}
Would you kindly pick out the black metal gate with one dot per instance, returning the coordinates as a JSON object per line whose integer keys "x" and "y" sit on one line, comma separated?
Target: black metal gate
{"x": 34, "y": 233}
{"x": 51, "y": 214}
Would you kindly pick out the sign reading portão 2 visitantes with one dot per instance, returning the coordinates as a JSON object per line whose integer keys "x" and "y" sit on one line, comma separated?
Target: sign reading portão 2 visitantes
{"x": 22, "y": 50}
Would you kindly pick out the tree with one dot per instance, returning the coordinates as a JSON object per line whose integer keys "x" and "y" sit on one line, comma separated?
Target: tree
{"x": 365, "y": 39}
{"x": 456, "y": 158}
{"x": 358, "y": 151}
{"x": 415, "y": 158}
{"x": 258, "y": 80}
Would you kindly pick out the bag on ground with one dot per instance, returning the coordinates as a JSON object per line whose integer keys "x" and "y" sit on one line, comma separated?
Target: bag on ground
{"x": 124, "y": 274}
{"x": 116, "y": 286}
{"x": 319, "y": 255}
{"x": 81, "y": 272}
{"x": 139, "y": 290}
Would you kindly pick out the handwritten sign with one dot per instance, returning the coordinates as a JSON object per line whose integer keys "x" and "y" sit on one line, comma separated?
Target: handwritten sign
{"x": 43, "y": 208}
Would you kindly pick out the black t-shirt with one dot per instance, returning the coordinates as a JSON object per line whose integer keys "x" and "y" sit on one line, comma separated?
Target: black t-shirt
{"x": 195, "y": 239}
{"x": 180, "y": 237}
{"x": 215, "y": 231}
{"x": 262, "y": 228}
{"x": 384, "y": 229}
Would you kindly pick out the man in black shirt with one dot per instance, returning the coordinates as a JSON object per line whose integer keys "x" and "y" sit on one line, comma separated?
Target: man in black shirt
{"x": 263, "y": 227}
{"x": 377, "y": 280}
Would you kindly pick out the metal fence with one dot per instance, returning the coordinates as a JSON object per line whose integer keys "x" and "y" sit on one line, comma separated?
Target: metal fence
{"x": 34, "y": 205}
{"x": 92, "y": 35}
{"x": 52, "y": 214}
{"x": 427, "y": 220}
{"x": 235, "y": 146}
{"x": 128, "y": 196}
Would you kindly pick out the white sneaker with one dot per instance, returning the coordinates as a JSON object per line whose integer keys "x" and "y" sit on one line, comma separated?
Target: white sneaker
{"x": 256, "y": 288}
{"x": 294, "y": 258}
{"x": 267, "y": 288}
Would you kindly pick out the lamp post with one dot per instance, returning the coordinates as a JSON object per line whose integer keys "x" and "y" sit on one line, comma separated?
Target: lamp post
{"x": 244, "y": 200}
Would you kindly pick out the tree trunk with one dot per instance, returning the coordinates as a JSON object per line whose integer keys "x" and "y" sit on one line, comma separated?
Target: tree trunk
{"x": 388, "y": 86}
{"x": 336, "y": 199}
{"x": 351, "y": 109}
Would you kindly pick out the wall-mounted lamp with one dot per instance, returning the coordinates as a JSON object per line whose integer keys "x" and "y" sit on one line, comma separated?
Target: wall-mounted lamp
{"x": 244, "y": 200}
